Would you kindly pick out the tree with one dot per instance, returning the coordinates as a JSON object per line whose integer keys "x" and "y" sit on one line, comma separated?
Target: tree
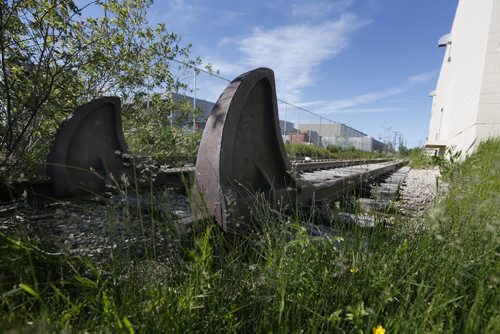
{"x": 56, "y": 55}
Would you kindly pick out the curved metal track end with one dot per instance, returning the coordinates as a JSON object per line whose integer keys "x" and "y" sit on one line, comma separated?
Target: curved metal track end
{"x": 242, "y": 153}
{"x": 88, "y": 148}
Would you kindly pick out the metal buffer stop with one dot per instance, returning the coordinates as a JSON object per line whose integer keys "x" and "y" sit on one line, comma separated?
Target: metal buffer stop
{"x": 242, "y": 158}
{"x": 89, "y": 153}
{"x": 242, "y": 154}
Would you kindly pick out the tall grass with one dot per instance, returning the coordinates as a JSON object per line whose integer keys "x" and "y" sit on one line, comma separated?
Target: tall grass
{"x": 440, "y": 277}
{"x": 421, "y": 159}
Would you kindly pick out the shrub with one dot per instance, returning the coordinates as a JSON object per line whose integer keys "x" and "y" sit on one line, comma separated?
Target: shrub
{"x": 307, "y": 150}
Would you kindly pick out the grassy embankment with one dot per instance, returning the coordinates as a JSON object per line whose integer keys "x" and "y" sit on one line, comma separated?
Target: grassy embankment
{"x": 441, "y": 277}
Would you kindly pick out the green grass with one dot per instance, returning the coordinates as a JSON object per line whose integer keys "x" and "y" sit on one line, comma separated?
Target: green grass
{"x": 440, "y": 277}
{"x": 419, "y": 158}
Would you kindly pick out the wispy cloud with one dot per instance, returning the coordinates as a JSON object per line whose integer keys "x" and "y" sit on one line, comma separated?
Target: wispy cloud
{"x": 369, "y": 110}
{"x": 349, "y": 105}
{"x": 188, "y": 10}
{"x": 422, "y": 77}
{"x": 228, "y": 69}
{"x": 362, "y": 99}
{"x": 227, "y": 18}
{"x": 295, "y": 52}
{"x": 319, "y": 9}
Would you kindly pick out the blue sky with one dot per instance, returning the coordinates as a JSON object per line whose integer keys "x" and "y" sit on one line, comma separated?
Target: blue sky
{"x": 367, "y": 63}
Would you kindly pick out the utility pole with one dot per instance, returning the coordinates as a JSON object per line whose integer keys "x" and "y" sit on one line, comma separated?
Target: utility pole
{"x": 286, "y": 117}
{"x": 194, "y": 101}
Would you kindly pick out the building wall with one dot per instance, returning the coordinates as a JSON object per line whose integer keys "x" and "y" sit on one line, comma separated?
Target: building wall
{"x": 488, "y": 117}
{"x": 298, "y": 137}
{"x": 365, "y": 143}
{"x": 467, "y": 95}
{"x": 287, "y": 127}
{"x": 332, "y": 130}
{"x": 205, "y": 106}
{"x": 314, "y": 137}
{"x": 342, "y": 135}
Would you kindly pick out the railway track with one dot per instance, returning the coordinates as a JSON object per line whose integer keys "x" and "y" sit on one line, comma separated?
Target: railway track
{"x": 241, "y": 156}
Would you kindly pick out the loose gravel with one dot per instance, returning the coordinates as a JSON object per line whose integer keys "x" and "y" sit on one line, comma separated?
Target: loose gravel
{"x": 98, "y": 229}
{"x": 94, "y": 229}
{"x": 418, "y": 192}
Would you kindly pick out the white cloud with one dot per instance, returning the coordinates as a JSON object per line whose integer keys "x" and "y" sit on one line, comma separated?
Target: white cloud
{"x": 367, "y": 110}
{"x": 317, "y": 9}
{"x": 228, "y": 69}
{"x": 295, "y": 52}
{"x": 347, "y": 105}
{"x": 362, "y": 99}
{"x": 227, "y": 18}
{"x": 187, "y": 10}
{"x": 422, "y": 77}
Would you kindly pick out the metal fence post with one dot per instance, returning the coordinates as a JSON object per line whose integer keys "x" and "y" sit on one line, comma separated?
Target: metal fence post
{"x": 194, "y": 101}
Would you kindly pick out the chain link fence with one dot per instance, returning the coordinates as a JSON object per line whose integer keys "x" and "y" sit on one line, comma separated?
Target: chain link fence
{"x": 297, "y": 124}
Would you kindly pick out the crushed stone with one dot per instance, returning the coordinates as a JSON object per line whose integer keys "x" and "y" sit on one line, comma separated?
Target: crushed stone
{"x": 419, "y": 192}
{"x": 95, "y": 229}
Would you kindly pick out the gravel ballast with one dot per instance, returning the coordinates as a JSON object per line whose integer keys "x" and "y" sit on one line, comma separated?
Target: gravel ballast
{"x": 94, "y": 229}
{"x": 418, "y": 192}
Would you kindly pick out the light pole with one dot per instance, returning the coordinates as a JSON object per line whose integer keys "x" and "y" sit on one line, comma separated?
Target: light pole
{"x": 194, "y": 100}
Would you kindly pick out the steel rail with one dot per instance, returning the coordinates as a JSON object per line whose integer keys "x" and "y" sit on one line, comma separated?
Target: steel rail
{"x": 322, "y": 186}
{"x": 330, "y": 185}
{"x": 164, "y": 177}
{"x": 242, "y": 157}
{"x": 297, "y": 166}
{"x": 328, "y": 164}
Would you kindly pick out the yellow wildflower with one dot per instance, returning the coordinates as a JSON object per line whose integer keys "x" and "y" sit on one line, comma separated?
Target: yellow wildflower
{"x": 354, "y": 270}
{"x": 379, "y": 330}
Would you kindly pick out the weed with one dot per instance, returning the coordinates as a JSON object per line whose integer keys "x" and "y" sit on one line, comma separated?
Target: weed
{"x": 443, "y": 278}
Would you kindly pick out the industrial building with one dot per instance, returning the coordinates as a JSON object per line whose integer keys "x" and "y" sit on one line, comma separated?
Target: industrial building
{"x": 466, "y": 101}
{"x": 204, "y": 108}
{"x": 287, "y": 127}
{"x": 318, "y": 134}
{"x": 332, "y": 129}
{"x": 342, "y": 135}
{"x": 203, "y": 105}
{"x": 364, "y": 143}
{"x": 309, "y": 137}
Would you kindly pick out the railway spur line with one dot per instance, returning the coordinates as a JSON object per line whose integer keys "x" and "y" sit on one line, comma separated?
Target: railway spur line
{"x": 241, "y": 156}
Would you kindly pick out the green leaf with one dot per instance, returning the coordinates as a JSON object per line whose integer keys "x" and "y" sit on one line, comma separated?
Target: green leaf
{"x": 29, "y": 290}
{"x": 128, "y": 325}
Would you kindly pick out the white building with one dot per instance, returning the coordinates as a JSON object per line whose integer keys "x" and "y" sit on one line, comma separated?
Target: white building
{"x": 342, "y": 135}
{"x": 332, "y": 129}
{"x": 365, "y": 143}
{"x": 466, "y": 102}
